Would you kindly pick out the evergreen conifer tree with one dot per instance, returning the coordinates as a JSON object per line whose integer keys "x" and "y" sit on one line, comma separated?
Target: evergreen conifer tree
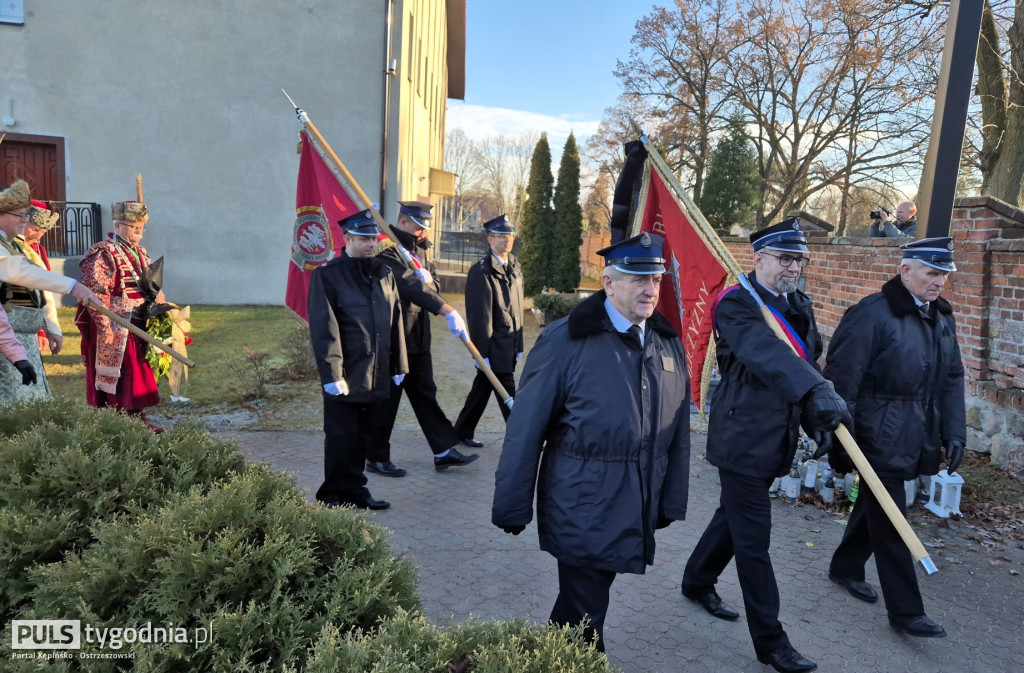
{"x": 730, "y": 192}
{"x": 568, "y": 234}
{"x": 538, "y": 221}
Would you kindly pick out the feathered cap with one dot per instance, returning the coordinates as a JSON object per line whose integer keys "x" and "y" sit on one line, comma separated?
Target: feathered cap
{"x": 131, "y": 211}
{"x": 14, "y": 197}
{"x": 40, "y": 216}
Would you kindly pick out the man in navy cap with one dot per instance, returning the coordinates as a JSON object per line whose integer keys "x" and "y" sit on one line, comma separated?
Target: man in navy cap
{"x": 895, "y": 359}
{"x": 494, "y": 307}
{"x": 605, "y": 400}
{"x": 767, "y": 392}
{"x": 357, "y": 383}
{"x": 420, "y": 295}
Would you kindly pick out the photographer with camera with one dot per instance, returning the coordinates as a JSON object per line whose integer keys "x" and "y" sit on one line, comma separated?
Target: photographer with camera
{"x": 904, "y": 224}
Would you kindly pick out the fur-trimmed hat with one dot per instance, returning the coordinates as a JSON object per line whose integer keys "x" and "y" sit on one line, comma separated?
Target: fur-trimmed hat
{"x": 131, "y": 211}
{"x": 14, "y": 197}
{"x": 40, "y": 216}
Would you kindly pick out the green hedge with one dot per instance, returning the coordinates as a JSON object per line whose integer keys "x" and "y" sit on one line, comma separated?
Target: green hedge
{"x": 556, "y": 305}
{"x": 268, "y": 569}
{"x": 104, "y": 522}
{"x": 408, "y": 644}
{"x": 69, "y": 468}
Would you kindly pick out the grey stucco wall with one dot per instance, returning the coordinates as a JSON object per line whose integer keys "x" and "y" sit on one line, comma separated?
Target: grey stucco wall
{"x": 189, "y": 94}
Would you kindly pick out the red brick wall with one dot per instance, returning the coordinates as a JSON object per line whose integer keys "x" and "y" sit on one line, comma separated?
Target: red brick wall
{"x": 987, "y": 289}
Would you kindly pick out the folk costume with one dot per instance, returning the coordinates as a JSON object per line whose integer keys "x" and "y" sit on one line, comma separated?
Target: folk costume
{"x": 117, "y": 373}
{"x": 28, "y": 310}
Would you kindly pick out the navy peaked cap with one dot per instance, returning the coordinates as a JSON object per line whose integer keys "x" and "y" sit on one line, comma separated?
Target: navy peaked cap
{"x": 639, "y": 255}
{"x": 784, "y": 237}
{"x": 360, "y": 224}
{"x": 936, "y": 252}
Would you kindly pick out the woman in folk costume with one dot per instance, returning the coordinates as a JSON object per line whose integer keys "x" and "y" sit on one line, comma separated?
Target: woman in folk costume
{"x": 27, "y": 309}
{"x": 116, "y": 372}
{"x": 40, "y": 221}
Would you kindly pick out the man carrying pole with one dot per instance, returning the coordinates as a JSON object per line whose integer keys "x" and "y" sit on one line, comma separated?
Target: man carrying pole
{"x": 768, "y": 390}
{"x": 419, "y": 292}
{"x": 895, "y": 359}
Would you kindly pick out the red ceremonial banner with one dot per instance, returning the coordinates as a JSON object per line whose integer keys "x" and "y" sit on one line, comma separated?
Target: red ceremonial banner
{"x": 320, "y": 201}
{"x": 693, "y": 278}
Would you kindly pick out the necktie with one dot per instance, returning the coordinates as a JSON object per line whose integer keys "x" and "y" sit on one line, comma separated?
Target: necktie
{"x": 634, "y": 336}
{"x": 924, "y": 309}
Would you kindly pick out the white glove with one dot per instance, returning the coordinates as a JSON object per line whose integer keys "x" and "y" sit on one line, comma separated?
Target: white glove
{"x": 487, "y": 361}
{"x": 424, "y": 276}
{"x": 456, "y": 325}
{"x": 336, "y": 388}
{"x": 398, "y": 378}
{"x": 519, "y": 356}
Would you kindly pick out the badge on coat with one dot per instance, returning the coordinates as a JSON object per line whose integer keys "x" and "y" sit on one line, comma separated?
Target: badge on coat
{"x": 668, "y": 364}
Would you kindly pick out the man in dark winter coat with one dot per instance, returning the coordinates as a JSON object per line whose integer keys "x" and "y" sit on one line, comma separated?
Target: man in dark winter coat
{"x": 355, "y": 324}
{"x": 418, "y": 290}
{"x": 605, "y": 400}
{"x": 767, "y": 391}
{"x": 494, "y": 308}
{"x": 895, "y": 359}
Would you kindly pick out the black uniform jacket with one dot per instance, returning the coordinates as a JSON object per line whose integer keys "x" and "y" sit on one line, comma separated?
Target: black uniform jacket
{"x": 755, "y": 412}
{"x": 612, "y": 424}
{"x": 902, "y": 378}
{"x": 494, "y": 310}
{"x": 355, "y": 324}
{"x": 417, "y": 297}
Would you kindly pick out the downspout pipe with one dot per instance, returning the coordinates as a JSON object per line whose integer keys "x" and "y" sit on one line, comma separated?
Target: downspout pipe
{"x": 390, "y": 66}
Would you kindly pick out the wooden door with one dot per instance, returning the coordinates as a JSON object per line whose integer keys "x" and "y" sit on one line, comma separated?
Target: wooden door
{"x": 38, "y": 160}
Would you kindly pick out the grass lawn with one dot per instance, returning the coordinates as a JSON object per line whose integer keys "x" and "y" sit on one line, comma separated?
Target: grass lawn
{"x": 223, "y": 382}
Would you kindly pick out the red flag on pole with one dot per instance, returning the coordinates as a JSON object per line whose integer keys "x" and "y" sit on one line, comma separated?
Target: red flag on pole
{"x": 693, "y": 279}
{"x": 320, "y": 201}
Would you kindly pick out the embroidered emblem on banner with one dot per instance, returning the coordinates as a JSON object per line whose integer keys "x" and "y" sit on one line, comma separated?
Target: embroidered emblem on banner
{"x": 311, "y": 242}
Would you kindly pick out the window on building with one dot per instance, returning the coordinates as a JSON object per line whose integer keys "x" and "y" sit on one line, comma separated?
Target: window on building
{"x": 408, "y": 54}
{"x": 13, "y": 12}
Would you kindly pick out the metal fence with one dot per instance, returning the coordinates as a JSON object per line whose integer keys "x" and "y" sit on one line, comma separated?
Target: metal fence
{"x": 459, "y": 250}
{"x": 79, "y": 226}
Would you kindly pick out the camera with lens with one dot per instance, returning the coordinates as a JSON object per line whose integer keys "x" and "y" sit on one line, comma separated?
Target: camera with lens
{"x": 879, "y": 214}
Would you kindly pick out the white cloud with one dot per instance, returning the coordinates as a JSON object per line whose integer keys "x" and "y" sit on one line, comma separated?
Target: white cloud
{"x": 479, "y": 122}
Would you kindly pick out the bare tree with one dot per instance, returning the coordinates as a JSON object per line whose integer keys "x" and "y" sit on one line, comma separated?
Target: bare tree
{"x": 461, "y": 156}
{"x": 504, "y": 164}
{"x": 679, "y": 59}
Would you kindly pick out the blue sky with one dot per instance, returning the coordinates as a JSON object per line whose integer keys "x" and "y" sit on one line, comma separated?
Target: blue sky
{"x": 542, "y": 65}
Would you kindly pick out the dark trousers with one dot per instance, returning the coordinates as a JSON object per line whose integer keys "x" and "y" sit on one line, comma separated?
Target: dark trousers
{"x": 476, "y": 402}
{"x": 582, "y": 592}
{"x": 870, "y": 531}
{"x": 741, "y": 529}
{"x": 349, "y": 431}
{"x": 422, "y": 392}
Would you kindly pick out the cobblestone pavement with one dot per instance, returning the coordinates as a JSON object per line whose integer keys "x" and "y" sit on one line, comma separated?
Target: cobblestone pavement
{"x": 470, "y": 568}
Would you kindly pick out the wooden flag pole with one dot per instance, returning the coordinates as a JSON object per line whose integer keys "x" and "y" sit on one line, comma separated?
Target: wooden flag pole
{"x": 353, "y": 188}
{"x": 707, "y": 232}
{"x": 142, "y": 334}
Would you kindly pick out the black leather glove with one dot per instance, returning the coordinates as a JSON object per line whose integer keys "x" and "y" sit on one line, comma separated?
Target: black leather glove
{"x": 28, "y": 374}
{"x": 663, "y": 522}
{"x": 823, "y": 409}
{"x": 839, "y": 459}
{"x": 954, "y": 455}
{"x": 513, "y": 530}
{"x": 824, "y": 441}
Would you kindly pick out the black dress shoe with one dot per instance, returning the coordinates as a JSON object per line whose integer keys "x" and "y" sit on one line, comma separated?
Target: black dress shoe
{"x": 712, "y": 603}
{"x": 369, "y": 503}
{"x": 453, "y": 458}
{"x": 858, "y": 588}
{"x": 916, "y": 625}
{"x": 386, "y": 468}
{"x": 786, "y": 659}
{"x": 472, "y": 443}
